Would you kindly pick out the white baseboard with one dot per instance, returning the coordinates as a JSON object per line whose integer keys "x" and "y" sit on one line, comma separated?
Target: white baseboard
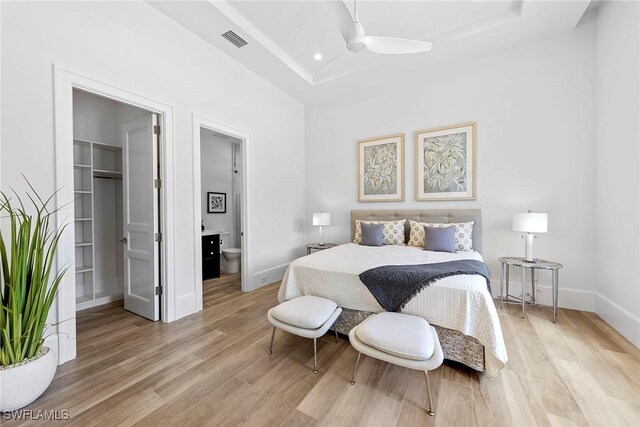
{"x": 575, "y": 299}
{"x": 619, "y": 318}
{"x": 266, "y": 277}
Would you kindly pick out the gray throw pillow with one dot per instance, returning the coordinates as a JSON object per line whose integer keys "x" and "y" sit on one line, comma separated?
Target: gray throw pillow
{"x": 372, "y": 234}
{"x": 440, "y": 239}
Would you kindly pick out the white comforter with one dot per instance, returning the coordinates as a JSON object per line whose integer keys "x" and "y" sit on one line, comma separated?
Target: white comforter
{"x": 459, "y": 302}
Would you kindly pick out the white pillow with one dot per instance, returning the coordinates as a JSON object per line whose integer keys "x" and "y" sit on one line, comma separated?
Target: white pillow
{"x": 463, "y": 239}
{"x": 393, "y": 231}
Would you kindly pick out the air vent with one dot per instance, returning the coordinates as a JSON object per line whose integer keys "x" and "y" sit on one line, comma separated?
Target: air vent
{"x": 234, "y": 39}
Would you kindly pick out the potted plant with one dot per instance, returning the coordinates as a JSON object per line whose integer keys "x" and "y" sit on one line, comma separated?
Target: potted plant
{"x": 29, "y": 282}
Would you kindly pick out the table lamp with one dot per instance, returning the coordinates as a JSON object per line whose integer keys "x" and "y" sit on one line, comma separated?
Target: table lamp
{"x": 530, "y": 223}
{"x": 321, "y": 220}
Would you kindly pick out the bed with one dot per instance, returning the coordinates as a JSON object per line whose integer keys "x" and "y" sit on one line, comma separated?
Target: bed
{"x": 459, "y": 307}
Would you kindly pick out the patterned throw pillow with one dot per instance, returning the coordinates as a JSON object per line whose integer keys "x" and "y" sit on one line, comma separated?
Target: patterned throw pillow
{"x": 393, "y": 231}
{"x": 463, "y": 239}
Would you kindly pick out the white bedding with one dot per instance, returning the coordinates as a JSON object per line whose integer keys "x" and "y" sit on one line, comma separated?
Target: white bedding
{"x": 460, "y": 302}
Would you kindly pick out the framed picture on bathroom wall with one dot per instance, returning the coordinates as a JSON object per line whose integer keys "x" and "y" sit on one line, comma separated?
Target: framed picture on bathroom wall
{"x": 216, "y": 202}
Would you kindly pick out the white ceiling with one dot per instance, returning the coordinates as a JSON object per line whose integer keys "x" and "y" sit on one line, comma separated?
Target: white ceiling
{"x": 283, "y": 36}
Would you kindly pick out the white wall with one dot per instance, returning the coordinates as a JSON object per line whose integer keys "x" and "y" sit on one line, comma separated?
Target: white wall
{"x": 617, "y": 226}
{"x": 95, "y": 118}
{"x": 132, "y": 46}
{"x": 217, "y": 176}
{"x": 534, "y": 106}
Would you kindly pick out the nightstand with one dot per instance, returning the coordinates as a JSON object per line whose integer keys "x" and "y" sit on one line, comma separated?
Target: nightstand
{"x": 536, "y": 264}
{"x": 319, "y": 247}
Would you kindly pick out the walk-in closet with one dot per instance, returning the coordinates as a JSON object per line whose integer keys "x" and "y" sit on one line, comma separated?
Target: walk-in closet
{"x": 98, "y": 197}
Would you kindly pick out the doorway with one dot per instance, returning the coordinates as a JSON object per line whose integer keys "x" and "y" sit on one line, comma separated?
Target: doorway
{"x": 117, "y": 197}
{"x": 63, "y": 334}
{"x": 221, "y": 173}
{"x": 222, "y": 196}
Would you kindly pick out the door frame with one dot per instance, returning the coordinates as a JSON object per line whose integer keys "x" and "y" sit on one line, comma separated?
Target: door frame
{"x": 64, "y": 83}
{"x": 199, "y": 122}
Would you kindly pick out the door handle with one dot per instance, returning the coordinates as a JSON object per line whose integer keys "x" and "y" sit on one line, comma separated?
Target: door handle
{"x": 123, "y": 240}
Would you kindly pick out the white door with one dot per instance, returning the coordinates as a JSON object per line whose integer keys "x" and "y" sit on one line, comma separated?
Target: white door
{"x": 141, "y": 252}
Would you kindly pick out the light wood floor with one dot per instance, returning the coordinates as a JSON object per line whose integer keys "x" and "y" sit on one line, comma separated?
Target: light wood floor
{"x": 212, "y": 368}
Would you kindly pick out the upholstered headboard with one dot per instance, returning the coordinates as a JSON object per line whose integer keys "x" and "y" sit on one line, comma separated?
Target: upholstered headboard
{"x": 423, "y": 215}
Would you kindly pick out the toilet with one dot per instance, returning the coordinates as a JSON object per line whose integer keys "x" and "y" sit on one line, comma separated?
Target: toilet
{"x": 230, "y": 259}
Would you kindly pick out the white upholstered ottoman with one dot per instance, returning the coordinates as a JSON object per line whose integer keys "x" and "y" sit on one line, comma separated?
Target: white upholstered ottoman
{"x": 400, "y": 339}
{"x": 306, "y": 316}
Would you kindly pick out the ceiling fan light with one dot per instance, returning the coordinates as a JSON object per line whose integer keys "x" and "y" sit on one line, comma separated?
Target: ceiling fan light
{"x": 357, "y": 45}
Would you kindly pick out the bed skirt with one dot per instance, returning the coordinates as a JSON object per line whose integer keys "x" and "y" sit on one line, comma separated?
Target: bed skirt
{"x": 455, "y": 345}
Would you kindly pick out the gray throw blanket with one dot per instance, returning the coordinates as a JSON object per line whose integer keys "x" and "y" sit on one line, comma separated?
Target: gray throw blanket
{"x": 395, "y": 285}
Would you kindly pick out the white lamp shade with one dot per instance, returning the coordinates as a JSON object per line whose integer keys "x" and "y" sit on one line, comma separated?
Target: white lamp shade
{"x": 530, "y": 222}
{"x": 322, "y": 219}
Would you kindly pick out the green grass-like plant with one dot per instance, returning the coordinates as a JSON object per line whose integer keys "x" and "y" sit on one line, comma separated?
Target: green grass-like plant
{"x": 28, "y": 282}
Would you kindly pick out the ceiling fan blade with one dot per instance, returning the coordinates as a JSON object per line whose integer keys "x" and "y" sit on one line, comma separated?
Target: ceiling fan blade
{"x": 344, "y": 20}
{"x": 394, "y": 46}
{"x": 332, "y": 66}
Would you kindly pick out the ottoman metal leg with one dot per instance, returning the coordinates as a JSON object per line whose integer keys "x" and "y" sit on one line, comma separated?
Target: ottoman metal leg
{"x": 315, "y": 359}
{"x": 336, "y": 331}
{"x": 355, "y": 368}
{"x": 430, "y": 411}
{"x": 273, "y": 334}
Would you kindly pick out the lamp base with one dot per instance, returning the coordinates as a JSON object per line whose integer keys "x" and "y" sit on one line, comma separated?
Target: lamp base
{"x": 528, "y": 247}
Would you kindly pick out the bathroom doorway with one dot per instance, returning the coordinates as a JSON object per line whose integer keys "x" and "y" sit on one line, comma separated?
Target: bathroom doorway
{"x": 220, "y": 173}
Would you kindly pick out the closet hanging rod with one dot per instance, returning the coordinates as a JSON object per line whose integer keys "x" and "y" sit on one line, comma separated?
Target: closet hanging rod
{"x": 108, "y": 177}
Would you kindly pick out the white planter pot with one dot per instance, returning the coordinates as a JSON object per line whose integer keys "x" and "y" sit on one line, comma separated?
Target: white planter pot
{"x": 22, "y": 384}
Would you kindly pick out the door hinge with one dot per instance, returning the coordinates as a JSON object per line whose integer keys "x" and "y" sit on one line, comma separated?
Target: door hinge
{"x": 158, "y": 237}
{"x": 158, "y": 290}
{"x": 157, "y": 183}
{"x": 156, "y": 129}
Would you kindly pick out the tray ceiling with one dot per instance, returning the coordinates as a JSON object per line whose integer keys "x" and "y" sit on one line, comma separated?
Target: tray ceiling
{"x": 284, "y": 36}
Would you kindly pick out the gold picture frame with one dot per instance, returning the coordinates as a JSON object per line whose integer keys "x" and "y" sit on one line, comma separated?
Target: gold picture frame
{"x": 446, "y": 162}
{"x": 381, "y": 169}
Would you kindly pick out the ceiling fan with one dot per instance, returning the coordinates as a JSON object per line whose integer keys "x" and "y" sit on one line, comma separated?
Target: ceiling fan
{"x": 354, "y": 35}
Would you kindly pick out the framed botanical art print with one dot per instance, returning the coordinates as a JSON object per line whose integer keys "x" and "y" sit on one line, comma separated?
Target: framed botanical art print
{"x": 381, "y": 169}
{"x": 446, "y": 163}
{"x": 216, "y": 202}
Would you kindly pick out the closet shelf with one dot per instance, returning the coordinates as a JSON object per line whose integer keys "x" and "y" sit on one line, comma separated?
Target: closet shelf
{"x": 98, "y": 167}
{"x": 105, "y": 146}
{"x": 109, "y": 293}
{"x": 80, "y": 300}
{"x": 88, "y": 141}
{"x": 83, "y": 268}
{"x": 101, "y": 173}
